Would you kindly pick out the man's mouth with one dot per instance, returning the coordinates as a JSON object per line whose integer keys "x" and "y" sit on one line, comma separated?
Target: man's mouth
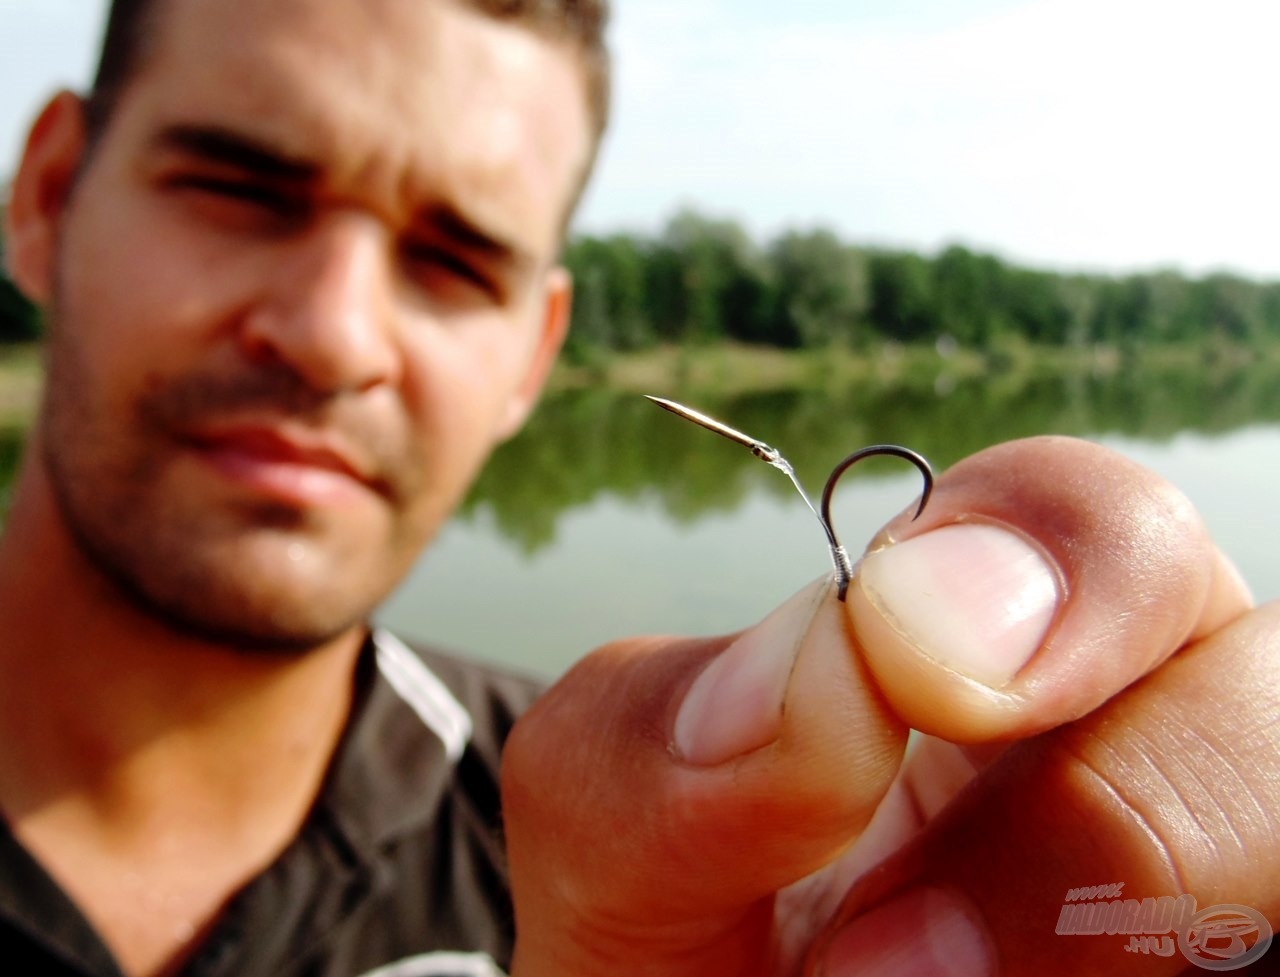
{"x": 294, "y": 466}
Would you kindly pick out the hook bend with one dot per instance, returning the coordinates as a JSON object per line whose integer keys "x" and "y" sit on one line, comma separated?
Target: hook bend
{"x": 843, "y": 570}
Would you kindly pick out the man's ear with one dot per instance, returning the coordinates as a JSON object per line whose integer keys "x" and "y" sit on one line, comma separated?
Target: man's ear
{"x": 557, "y": 302}
{"x": 39, "y": 195}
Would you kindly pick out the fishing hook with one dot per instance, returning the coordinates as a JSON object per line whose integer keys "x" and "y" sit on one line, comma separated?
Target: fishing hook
{"x": 844, "y": 569}
{"x": 772, "y": 456}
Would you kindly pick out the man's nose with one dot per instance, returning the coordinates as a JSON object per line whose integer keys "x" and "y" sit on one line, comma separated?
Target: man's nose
{"x": 328, "y": 312}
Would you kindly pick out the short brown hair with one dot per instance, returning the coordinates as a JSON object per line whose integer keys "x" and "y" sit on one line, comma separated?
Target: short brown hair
{"x": 130, "y": 26}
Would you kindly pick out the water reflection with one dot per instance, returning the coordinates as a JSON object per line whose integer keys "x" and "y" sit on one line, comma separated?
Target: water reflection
{"x": 608, "y": 516}
{"x": 582, "y": 444}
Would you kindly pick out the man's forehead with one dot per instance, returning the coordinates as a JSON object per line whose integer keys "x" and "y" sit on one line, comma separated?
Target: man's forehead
{"x": 389, "y": 93}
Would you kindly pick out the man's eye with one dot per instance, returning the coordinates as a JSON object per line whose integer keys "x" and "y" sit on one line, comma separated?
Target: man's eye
{"x": 438, "y": 267}
{"x": 259, "y": 196}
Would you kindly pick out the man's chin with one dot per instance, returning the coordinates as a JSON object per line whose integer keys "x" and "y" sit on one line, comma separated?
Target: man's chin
{"x": 250, "y": 605}
{"x": 247, "y": 629}
{"x": 253, "y": 578}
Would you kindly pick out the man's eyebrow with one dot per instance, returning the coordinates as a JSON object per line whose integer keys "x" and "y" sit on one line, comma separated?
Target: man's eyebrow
{"x": 224, "y": 146}
{"x": 218, "y": 145}
{"x": 465, "y": 233}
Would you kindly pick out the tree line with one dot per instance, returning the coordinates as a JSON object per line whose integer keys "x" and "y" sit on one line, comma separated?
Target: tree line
{"x": 701, "y": 280}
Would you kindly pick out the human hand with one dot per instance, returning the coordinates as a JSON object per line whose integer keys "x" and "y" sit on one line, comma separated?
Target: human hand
{"x": 1100, "y": 706}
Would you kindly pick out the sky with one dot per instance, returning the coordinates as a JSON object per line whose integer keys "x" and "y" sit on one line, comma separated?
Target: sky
{"x": 1112, "y": 135}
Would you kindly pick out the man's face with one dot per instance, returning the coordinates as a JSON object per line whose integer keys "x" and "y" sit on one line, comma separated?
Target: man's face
{"x": 304, "y": 284}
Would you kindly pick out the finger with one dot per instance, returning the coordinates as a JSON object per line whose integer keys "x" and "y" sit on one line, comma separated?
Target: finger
{"x": 1229, "y": 597}
{"x": 936, "y": 770}
{"x": 1163, "y": 790}
{"x": 1044, "y": 576}
{"x": 661, "y": 793}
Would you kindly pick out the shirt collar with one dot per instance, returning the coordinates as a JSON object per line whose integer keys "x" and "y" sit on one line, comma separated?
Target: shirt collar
{"x": 394, "y": 763}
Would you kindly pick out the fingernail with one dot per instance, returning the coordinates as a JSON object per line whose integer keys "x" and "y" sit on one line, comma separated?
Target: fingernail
{"x": 974, "y": 597}
{"x": 735, "y": 705}
{"x": 922, "y": 933}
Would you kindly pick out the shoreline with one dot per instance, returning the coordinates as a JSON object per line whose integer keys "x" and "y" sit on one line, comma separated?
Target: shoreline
{"x": 728, "y": 369}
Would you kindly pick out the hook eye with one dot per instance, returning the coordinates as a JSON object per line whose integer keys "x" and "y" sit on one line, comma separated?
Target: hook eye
{"x": 894, "y": 450}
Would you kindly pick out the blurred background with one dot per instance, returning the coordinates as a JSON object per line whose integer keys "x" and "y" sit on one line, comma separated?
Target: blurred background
{"x": 944, "y": 223}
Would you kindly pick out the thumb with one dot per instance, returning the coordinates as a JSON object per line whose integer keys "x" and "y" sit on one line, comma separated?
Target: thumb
{"x": 660, "y": 794}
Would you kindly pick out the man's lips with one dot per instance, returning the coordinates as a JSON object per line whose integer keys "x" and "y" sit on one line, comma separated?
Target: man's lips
{"x": 293, "y": 466}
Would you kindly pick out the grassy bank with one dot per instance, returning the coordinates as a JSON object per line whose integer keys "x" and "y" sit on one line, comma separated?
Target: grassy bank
{"x": 728, "y": 369}
{"x": 20, "y": 379}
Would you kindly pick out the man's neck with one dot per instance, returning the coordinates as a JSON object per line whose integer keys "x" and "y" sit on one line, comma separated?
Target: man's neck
{"x": 130, "y": 745}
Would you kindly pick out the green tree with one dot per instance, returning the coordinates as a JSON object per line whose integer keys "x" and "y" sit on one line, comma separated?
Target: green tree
{"x": 1034, "y": 307}
{"x": 902, "y": 301}
{"x": 821, "y": 291}
{"x": 1118, "y": 308}
{"x": 1229, "y": 307}
{"x": 1078, "y": 298}
{"x": 966, "y": 294}
{"x": 1169, "y": 313}
{"x": 609, "y": 294}
{"x": 19, "y": 319}
{"x": 666, "y": 299}
{"x": 1269, "y": 303}
{"x": 720, "y": 286}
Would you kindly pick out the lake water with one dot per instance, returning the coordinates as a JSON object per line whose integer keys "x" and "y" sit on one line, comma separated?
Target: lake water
{"x": 610, "y": 517}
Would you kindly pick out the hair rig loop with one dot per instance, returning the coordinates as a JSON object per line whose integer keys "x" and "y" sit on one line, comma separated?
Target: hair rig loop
{"x": 839, "y": 555}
